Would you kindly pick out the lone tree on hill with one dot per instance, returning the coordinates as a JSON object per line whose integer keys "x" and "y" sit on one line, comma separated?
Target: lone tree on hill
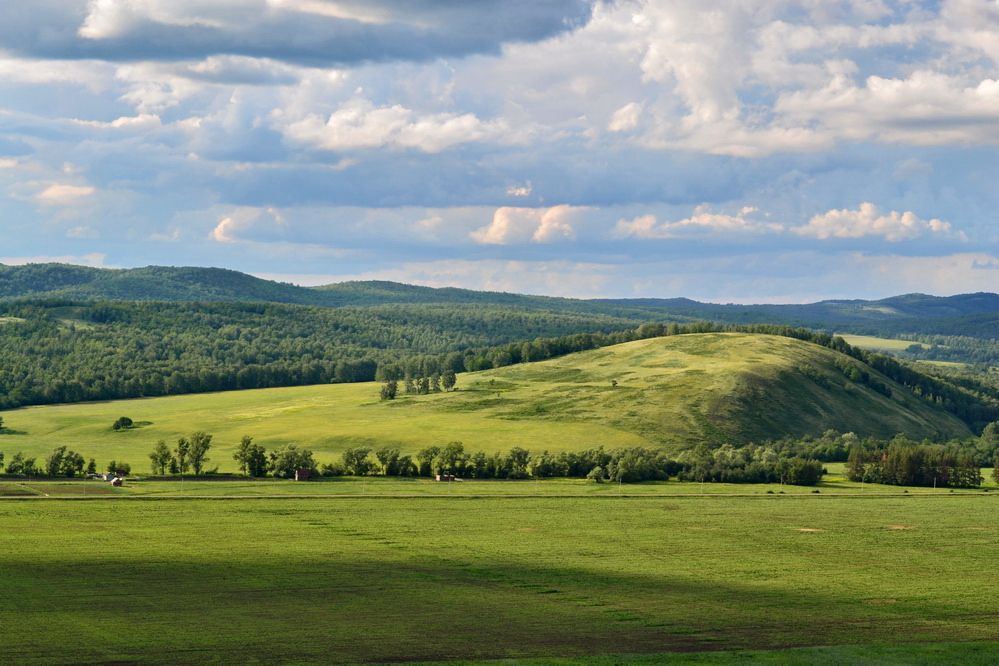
{"x": 123, "y": 422}
{"x": 390, "y": 389}
{"x": 448, "y": 379}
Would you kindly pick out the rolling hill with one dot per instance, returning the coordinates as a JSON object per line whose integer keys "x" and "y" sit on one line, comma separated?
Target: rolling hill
{"x": 673, "y": 392}
{"x": 167, "y": 283}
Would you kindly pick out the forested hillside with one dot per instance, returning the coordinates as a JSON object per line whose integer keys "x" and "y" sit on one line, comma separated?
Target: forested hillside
{"x": 910, "y": 313}
{"x": 64, "y": 351}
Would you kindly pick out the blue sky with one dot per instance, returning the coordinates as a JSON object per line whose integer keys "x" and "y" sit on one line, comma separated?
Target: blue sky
{"x": 723, "y": 150}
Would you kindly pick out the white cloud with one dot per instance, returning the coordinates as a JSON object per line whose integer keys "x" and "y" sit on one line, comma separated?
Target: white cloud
{"x": 868, "y": 221}
{"x": 243, "y": 219}
{"x": 626, "y": 118}
{"x": 519, "y": 190}
{"x": 520, "y": 225}
{"x": 702, "y": 222}
{"x": 361, "y": 125}
{"x": 140, "y": 123}
{"x": 58, "y": 194}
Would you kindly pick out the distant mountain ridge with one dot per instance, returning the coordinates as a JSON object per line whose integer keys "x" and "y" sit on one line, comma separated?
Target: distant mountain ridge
{"x": 165, "y": 283}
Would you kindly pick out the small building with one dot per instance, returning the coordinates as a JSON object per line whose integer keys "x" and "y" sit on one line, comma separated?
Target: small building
{"x": 445, "y": 477}
{"x": 303, "y": 474}
{"x": 117, "y": 482}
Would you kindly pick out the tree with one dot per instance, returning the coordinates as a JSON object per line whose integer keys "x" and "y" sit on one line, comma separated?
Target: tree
{"x": 123, "y": 422}
{"x": 115, "y": 466}
{"x": 160, "y": 457}
{"x": 452, "y": 459}
{"x": 388, "y": 458}
{"x": 435, "y": 383}
{"x": 285, "y": 461}
{"x": 1, "y": 423}
{"x": 92, "y": 466}
{"x": 198, "y": 453}
{"x": 72, "y": 464}
{"x": 20, "y": 465}
{"x": 252, "y": 458}
{"x": 1, "y": 459}
{"x": 54, "y": 462}
{"x": 355, "y": 461}
{"x": 180, "y": 454}
{"x": 390, "y": 389}
{"x": 448, "y": 379}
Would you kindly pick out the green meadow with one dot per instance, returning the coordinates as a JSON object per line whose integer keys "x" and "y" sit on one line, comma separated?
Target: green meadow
{"x": 367, "y": 579}
{"x": 674, "y": 391}
{"x": 877, "y": 344}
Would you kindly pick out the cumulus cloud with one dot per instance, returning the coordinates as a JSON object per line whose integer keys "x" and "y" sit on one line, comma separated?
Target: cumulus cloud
{"x": 519, "y": 190}
{"x": 58, "y": 194}
{"x": 521, "y": 225}
{"x": 869, "y": 221}
{"x": 360, "y": 124}
{"x": 702, "y": 222}
{"x": 626, "y": 118}
{"x": 242, "y": 219}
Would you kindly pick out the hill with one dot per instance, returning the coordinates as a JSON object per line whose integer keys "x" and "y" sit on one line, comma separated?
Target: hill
{"x": 673, "y": 392}
{"x": 166, "y": 283}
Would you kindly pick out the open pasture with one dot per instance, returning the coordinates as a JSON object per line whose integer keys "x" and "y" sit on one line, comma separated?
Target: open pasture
{"x": 369, "y": 579}
{"x": 877, "y": 344}
{"x": 672, "y": 391}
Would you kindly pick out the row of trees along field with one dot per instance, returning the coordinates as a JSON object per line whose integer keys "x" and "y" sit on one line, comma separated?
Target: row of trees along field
{"x": 130, "y": 350}
{"x": 898, "y": 461}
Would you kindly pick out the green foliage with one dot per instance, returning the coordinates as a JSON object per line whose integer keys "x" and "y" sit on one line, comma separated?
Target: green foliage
{"x": 200, "y": 443}
{"x": 116, "y": 466}
{"x": 906, "y": 463}
{"x": 160, "y": 457}
{"x": 122, "y": 422}
{"x": 63, "y": 462}
{"x": 355, "y": 462}
{"x": 389, "y": 390}
{"x": 252, "y": 458}
{"x": 288, "y": 459}
{"x": 20, "y": 464}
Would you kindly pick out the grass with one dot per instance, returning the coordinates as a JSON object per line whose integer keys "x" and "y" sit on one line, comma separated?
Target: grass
{"x": 437, "y": 578}
{"x": 878, "y": 344}
{"x": 670, "y": 391}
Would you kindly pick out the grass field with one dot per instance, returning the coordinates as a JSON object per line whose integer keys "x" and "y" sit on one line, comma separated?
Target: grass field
{"x": 674, "y": 391}
{"x": 877, "y": 344}
{"x": 437, "y": 578}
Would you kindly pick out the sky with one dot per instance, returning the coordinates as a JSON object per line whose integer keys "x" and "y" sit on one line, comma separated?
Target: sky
{"x": 745, "y": 151}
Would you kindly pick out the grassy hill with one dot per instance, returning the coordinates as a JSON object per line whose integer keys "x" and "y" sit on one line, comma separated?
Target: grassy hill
{"x": 674, "y": 391}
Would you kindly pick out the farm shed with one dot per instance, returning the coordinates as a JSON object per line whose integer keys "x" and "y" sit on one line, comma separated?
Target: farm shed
{"x": 303, "y": 474}
{"x": 445, "y": 477}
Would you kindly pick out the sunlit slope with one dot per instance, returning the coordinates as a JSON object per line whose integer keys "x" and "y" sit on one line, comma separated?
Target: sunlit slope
{"x": 674, "y": 391}
{"x": 716, "y": 387}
